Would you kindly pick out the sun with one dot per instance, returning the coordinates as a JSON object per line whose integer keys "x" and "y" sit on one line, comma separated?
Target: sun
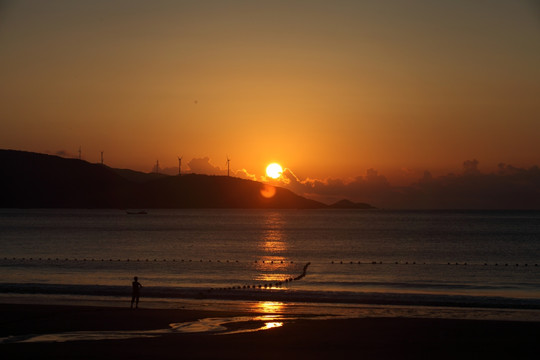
{"x": 274, "y": 170}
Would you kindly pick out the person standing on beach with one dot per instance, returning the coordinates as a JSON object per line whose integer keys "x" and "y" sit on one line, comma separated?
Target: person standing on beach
{"x": 136, "y": 286}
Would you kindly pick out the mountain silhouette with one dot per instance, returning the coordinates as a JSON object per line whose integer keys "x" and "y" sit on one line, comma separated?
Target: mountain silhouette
{"x": 32, "y": 180}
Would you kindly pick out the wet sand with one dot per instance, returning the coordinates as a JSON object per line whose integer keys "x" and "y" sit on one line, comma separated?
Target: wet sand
{"x": 366, "y": 338}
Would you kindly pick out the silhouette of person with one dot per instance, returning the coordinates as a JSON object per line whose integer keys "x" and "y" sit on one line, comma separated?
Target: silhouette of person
{"x": 136, "y": 286}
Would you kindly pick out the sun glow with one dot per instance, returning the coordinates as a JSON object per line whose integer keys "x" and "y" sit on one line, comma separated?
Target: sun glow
{"x": 274, "y": 170}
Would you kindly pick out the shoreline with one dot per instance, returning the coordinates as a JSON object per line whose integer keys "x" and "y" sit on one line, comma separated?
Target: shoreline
{"x": 298, "y": 337}
{"x": 272, "y": 305}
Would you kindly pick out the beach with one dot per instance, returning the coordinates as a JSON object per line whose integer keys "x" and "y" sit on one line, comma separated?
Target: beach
{"x": 302, "y": 337}
{"x": 239, "y": 284}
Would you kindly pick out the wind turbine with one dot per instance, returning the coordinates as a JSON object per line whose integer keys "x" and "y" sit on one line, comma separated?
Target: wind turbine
{"x": 180, "y": 165}
{"x": 228, "y": 162}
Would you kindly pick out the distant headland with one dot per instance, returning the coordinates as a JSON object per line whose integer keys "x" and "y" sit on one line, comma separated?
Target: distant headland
{"x": 33, "y": 180}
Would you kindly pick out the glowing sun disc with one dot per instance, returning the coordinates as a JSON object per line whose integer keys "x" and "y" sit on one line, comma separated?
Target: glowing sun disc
{"x": 274, "y": 170}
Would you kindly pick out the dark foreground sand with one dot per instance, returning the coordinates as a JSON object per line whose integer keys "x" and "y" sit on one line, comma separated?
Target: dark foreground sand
{"x": 371, "y": 338}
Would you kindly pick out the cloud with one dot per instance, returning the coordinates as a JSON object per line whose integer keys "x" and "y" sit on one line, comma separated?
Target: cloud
{"x": 244, "y": 174}
{"x": 508, "y": 188}
{"x": 203, "y": 166}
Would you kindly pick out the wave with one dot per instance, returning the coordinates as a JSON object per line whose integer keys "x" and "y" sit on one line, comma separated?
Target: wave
{"x": 277, "y": 294}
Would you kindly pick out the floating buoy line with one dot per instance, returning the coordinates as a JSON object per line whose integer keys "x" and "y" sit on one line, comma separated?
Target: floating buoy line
{"x": 116, "y": 260}
{"x": 424, "y": 263}
{"x": 266, "y": 262}
{"x": 267, "y": 285}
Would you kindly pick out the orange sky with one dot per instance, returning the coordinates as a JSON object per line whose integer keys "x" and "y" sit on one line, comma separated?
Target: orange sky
{"x": 327, "y": 89}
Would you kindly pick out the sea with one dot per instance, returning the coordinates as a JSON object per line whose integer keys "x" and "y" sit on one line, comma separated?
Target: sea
{"x": 472, "y": 264}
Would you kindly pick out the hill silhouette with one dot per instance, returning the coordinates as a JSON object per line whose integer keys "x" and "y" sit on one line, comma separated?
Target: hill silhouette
{"x": 32, "y": 180}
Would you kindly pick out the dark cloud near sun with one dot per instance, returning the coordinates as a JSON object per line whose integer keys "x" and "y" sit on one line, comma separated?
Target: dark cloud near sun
{"x": 507, "y": 188}
{"x": 203, "y": 166}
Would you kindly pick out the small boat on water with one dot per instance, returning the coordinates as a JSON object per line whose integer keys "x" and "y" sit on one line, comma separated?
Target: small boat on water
{"x": 136, "y": 212}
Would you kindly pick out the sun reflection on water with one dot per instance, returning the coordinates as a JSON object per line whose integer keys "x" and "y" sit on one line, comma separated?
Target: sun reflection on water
{"x": 273, "y": 242}
{"x": 273, "y": 267}
{"x": 268, "y": 307}
{"x": 271, "y": 325}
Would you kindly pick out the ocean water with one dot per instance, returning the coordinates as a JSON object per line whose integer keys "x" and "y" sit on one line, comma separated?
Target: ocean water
{"x": 466, "y": 259}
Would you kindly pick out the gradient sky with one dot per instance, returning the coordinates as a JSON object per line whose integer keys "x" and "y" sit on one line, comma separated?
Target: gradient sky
{"x": 329, "y": 89}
